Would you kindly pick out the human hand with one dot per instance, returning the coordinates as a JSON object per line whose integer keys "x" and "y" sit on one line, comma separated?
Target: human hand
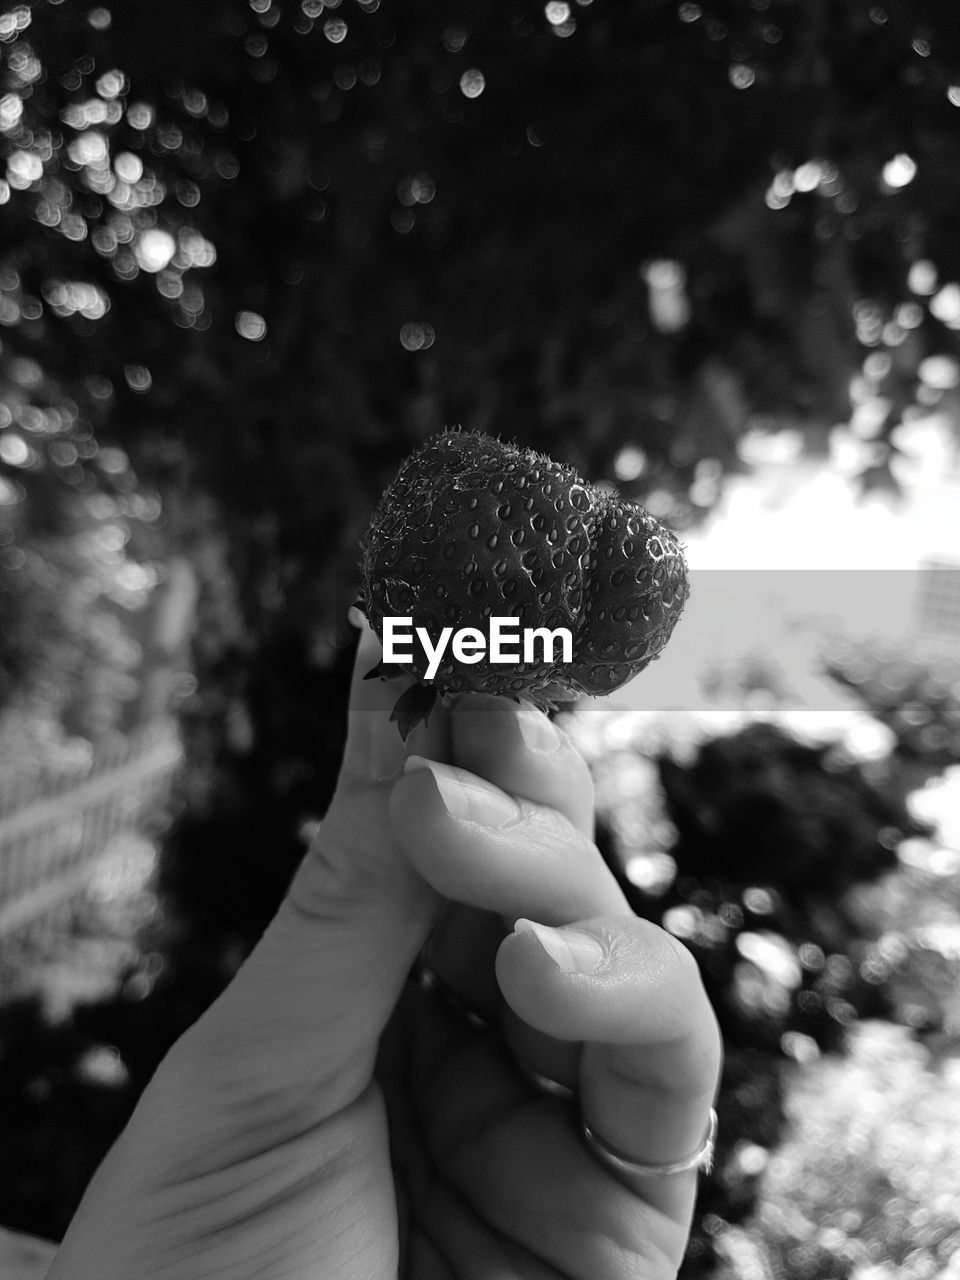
{"x": 325, "y": 1117}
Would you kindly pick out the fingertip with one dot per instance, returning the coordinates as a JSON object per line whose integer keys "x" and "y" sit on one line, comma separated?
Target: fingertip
{"x": 536, "y": 962}
{"x": 641, "y": 986}
{"x": 517, "y": 747}
{"x": 571, "y": 951}
{"x": 530, "y": 983}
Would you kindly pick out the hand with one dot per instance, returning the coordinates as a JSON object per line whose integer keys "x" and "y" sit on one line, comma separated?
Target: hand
{"x": 327, "y": 1118}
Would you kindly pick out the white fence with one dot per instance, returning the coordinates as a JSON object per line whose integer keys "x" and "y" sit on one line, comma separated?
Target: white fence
{"x": 54, "y": 829}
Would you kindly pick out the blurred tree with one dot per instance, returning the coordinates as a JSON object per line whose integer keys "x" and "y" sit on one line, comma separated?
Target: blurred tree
{"x": 268, "y": 248}
{"x": 271, "y": 247}
{"x": 279, "y": 244}
{"x": 74, "y": 577}
{"x": 770, "y": 836}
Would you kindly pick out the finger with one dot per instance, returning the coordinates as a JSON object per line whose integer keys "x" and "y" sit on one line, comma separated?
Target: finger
{"x": 480, "y": 847}
{"x": 475, "y": 1118}
{"x": 652, "y": 1050}
{"x": 516, "y": 747}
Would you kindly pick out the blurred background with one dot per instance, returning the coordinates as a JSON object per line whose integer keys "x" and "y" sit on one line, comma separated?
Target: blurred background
{"x": 251, "y": 254}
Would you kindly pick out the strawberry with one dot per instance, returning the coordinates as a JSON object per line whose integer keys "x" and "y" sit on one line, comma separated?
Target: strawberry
{"x": 637, "y": 587}
{"x": 472, "y": 528}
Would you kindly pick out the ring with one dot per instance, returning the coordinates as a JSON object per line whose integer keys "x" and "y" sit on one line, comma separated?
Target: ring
{"x": 702, "y": 1158}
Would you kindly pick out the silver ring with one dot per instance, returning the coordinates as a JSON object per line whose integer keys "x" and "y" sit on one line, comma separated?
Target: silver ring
{"x": 702, "y": 1158}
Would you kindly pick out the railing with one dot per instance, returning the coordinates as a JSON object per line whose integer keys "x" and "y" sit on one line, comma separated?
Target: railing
{"x": 54, "y": 829}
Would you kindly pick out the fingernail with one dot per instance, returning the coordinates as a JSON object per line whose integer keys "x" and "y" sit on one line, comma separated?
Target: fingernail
{"x": 356, "y": 618}
{"x": 470, "y": 800}
{"x": 536, "y": 730}
{"x": 569, "y": 949}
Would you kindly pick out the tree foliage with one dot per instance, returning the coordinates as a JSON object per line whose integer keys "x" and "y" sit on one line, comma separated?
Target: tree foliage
{"x": 269, "y": 247}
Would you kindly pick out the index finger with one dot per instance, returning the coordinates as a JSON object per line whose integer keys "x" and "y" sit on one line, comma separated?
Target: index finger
{"x": 518, "y": 748}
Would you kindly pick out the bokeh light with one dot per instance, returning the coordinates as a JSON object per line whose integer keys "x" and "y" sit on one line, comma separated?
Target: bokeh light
{"x": 899, "y": 171}
{"x": 472, "y": 83}
{"x": 417, "y": 336}
{"x": 154, "y": 249}
{"x": 251, "y": 325}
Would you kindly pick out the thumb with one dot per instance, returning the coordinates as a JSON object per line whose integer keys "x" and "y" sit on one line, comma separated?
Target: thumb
{"x": 303, "y": 1016}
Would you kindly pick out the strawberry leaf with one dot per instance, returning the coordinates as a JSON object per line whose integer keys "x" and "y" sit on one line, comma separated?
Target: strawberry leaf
{"x": 413, "y": 707}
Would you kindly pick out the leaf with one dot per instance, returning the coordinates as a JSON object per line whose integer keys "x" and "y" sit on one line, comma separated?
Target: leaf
{"x": 413, "y": 707}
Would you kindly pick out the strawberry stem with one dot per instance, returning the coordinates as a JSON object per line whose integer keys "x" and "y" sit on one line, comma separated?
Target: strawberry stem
{"x": 413, "y": 707}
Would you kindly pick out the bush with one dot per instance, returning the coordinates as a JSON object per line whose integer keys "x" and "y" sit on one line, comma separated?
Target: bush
{"x": 762, "y": 839}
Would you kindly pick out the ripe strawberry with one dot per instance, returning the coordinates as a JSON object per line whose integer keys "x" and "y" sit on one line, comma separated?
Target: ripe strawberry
{"x": 472, "y": 528}
{"x": 637, "y": 587}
